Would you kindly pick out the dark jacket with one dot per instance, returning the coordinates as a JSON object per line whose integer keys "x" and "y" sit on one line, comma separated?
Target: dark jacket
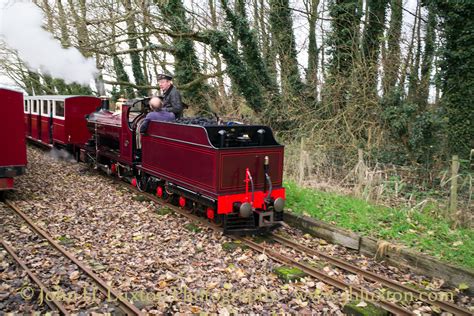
{"x": 160, "y": 115}
{"x": 172, "y": 101}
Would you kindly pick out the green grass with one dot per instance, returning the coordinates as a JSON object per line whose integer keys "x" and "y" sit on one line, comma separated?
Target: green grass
{"x": 417, "y": 229}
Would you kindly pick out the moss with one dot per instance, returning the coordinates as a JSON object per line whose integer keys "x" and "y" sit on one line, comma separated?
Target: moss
{"x": 263, "y": 238}
{"x": 232, "y": 246}
{"x": 316, "y": 264}
{"x": 163, "y": 211}
{"x": 64, "y": 240}
{"x": 369, "y": 310}
{"x": 192, "y": 228}
{"x": 288, "y": 274}
{"x": 140, "y": 198}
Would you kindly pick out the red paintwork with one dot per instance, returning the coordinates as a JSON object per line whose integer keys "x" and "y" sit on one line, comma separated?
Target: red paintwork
{"x": 182, "y": 201}
{"x": 70, "y": 130}
{"x": 225, "y": 203}
{"x": 27, "y": 114}
{"x": 183, "y": 155}
{"x": 45, "y": 128}
{"x": 12, "y": 131}
{"x": 59, "y": 131}
{"x": 6, "y": 183}
{"x": 159, "y": 191}
{"x": 126, "y": 137}
{"x": 108, "y": 124}
{"x": 112, "y": 126}
{"x": 169, "y": 152}
{"x": 210, "y": 213}
{"x": 76, "y": 108}
{"x": 35, "y": 126}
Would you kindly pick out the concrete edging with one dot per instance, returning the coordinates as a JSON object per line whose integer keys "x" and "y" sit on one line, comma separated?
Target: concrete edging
{"x": 392, "y": 254}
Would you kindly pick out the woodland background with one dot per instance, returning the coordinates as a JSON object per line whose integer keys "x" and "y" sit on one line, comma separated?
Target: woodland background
{"x": 381, "y": 107}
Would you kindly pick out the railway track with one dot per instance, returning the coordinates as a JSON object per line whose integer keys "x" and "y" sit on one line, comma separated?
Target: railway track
{"x": 277, "y": 256}
{"x": 368, "y": 275}
{"x": 44, "y": 244}
{"x": 356, "y": 291}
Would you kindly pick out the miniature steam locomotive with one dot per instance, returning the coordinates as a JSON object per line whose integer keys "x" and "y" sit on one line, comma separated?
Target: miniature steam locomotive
{"x": 229, "y": 173}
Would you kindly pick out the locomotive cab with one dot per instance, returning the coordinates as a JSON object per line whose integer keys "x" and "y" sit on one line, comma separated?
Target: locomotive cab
{"x": 114, "y": 146}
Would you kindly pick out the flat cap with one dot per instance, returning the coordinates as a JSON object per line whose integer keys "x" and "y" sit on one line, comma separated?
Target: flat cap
{"x": 165, "y": 76}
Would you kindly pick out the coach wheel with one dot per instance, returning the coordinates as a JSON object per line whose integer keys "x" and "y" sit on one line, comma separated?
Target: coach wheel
{"x": 142, "y": 182}
{"x": 219, "y": 220}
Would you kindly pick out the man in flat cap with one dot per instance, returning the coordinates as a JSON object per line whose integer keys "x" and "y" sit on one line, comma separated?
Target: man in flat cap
{"x": 170, "y": 95}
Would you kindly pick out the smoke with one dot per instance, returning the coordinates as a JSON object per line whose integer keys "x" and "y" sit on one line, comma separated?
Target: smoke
{"x": 21, "y": 29}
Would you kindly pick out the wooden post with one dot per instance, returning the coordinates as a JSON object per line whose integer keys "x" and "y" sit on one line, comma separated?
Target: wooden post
{"x": 453, "y": 196}
{"x": 360, "y": 172}
{"x": 301, "y": 163}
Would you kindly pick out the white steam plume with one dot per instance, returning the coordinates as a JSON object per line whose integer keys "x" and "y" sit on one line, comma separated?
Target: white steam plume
{"x": 21, "y": 28}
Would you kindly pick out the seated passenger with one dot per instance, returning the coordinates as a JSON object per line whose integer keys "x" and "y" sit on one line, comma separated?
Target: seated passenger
{"x": 157, "y": 114}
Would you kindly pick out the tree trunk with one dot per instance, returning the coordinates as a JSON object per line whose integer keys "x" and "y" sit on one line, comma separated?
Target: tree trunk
{"x": 373, "y": 32}
{"x": 428, "y": 56}
{"x": 342, "y": 41}
{"x": 312, "y": 72}
{"x": 391, "y": 64}
{"x": 133, "y": 44}
{"x": 281, "y": 25}
{"x": 186, "y": 63}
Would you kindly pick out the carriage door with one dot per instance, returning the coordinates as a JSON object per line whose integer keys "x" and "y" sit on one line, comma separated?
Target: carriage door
{"x": 27, "y": 111}
{"x": 50, "y": 124}
{"x": 40, "y": 117}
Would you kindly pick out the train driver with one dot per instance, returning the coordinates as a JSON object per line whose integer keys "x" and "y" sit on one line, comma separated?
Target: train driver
{"x": 158, "y": 113}
{"x": 171, "y": 97}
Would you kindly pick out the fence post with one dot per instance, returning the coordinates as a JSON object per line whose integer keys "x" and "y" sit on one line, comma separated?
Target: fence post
{"x": 301, "y": 163}
{"x": 453, "y": 196}
{"x": 360, "y": 172}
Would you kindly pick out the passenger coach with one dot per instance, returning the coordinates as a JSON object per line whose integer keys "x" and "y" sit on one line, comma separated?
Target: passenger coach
{"x": 56, "y": 120}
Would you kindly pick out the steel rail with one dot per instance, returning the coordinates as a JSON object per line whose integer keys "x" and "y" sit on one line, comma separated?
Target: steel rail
{"x": 355, "y": 291}
{"x": 447, "y": 306}
{"x": 53, "y": 304}
{"x": 126, "y": 306}
{"x": 444, "y": 305}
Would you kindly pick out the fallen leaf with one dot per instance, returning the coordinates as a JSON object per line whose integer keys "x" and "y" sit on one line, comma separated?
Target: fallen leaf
{"x": 463, "y": 286}
{"x": 74, "y": 276}
{"x": 362, "y": 304}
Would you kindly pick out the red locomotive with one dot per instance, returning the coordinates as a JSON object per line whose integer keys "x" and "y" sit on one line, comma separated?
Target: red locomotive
{"x": 12, "y": 141}
{"x": 232, "y": 174}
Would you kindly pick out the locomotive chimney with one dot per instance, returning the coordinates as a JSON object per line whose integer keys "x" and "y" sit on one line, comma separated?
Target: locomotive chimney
{"x": 104, "y": 103}
{"x": 261, "y": 136}
{"x": 222, "y": 134}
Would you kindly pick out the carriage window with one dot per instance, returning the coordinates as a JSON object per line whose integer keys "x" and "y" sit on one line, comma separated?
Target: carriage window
{"x": 35, "y": 107}
{"x": 26, "y": 106}
{"x": 59, "y": 108}
{"x": 45, "y": 107}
